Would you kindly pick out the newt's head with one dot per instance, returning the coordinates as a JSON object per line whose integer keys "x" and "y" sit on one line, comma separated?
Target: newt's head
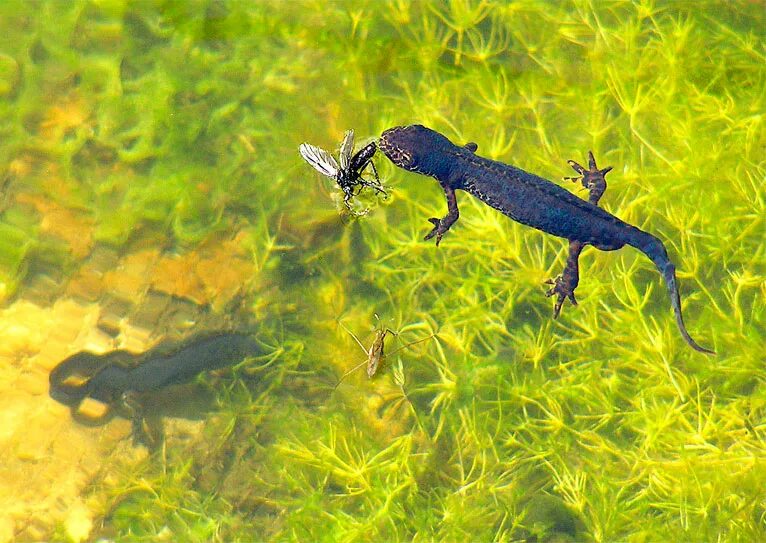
{"x": 416, "y": 148}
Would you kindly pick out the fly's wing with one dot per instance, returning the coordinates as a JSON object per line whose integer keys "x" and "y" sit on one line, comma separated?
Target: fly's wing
{"x": 320, "y": 160}
{"x": 346, "y": 149}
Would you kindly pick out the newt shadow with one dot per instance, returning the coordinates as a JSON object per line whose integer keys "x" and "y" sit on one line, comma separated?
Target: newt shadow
{"x": 147, "y": 387}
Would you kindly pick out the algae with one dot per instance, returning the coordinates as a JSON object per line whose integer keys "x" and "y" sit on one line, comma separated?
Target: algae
{"x": 158, "y": 129}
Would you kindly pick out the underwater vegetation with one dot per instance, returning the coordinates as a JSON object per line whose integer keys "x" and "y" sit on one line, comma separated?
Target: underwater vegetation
{"x": 172, "y": 125}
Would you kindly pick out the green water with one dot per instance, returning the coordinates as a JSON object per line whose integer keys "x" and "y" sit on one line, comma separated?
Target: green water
{"x": 171, "y": 124}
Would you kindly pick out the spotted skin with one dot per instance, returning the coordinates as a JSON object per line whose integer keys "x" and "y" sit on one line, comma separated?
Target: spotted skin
{"x": 531, "y": 200}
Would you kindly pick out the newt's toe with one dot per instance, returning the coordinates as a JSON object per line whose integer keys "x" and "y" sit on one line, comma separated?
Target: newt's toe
{"x": 562, "y": 291}
{"x": 592, "y": 178}
{"x": 435, "y": 231}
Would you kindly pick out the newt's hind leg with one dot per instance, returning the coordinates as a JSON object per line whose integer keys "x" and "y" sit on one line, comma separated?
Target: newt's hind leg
{"x": 565, "y": 284}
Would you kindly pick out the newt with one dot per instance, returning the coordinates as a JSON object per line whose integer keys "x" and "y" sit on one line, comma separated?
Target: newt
{"x": 530, "y": 200}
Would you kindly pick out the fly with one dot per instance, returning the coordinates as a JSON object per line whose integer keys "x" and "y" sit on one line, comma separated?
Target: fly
{"x": 348, "y": 175}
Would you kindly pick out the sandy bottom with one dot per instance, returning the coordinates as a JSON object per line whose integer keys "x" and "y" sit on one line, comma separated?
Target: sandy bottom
{"x": 55, "y": 472}
{"x": 48, "y": 460}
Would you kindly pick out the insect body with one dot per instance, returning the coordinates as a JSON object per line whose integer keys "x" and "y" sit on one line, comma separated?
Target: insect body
{"x": 376, "y": 353}
{"x": 347, "y": 174}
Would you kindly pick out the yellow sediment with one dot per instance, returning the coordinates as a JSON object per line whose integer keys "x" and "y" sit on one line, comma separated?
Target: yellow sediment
{"x": 61, "y": 118}
{"x": 47, "y": 459}
{"x": 65, "y": 224}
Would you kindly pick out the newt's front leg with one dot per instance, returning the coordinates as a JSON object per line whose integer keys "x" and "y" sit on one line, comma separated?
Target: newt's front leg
{"x": 444, "y": 224}
{"x": 592, "y": 179}
{"x": 146, "y": 429}
{"x": 565, "y": 284}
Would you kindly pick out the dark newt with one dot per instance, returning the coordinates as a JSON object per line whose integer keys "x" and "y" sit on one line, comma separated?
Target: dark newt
{"x": 530, "y": 200}
{"x": 115, "y": 377}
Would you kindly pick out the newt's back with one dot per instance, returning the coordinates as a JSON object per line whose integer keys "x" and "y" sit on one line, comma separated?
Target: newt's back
{"x": 524, "y": 197}
{"x": 530, "y": 200}
{"x": 539, "y": 203}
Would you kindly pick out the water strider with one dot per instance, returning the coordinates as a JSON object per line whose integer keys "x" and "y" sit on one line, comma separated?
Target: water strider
{"x": 376, "y": 353}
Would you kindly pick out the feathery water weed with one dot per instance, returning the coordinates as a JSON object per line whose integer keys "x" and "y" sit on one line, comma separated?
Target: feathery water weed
{"x": 741, "y": 282}
{"x": 428, "y": 41}
{"x": 540, "y": 110}
{"x": 533, "y": 345}
{"x": 460, "y": 16}
{"x": 149, "y": 506}
{"x": 633, "y": 100}
{"x": 481, "y": 49}
{"x": 629, "y": 296}
{"x": 349, "y": 465}
{"x": 509, "y": 426}
{"x": 500, "y": 144}
{"x": 497, "y": 96}
{"x": 749, "y": 205}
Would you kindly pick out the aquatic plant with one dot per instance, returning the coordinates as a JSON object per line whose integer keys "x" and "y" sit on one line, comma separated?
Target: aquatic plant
{"x": 171, "y": 125}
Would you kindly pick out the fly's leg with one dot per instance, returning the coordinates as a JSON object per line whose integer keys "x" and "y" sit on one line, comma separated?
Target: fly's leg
{"x": 376, "y": 185}
{"x": 442, "y": 225}
{"x": 565, "y": 284}
{"x": 359, "y": 163}
{"x": 375, "y": 171}
{"x": 348, "y": 193}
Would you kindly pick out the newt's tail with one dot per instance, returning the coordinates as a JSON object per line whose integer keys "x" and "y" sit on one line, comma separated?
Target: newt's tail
{"x": 654, "y": 249}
